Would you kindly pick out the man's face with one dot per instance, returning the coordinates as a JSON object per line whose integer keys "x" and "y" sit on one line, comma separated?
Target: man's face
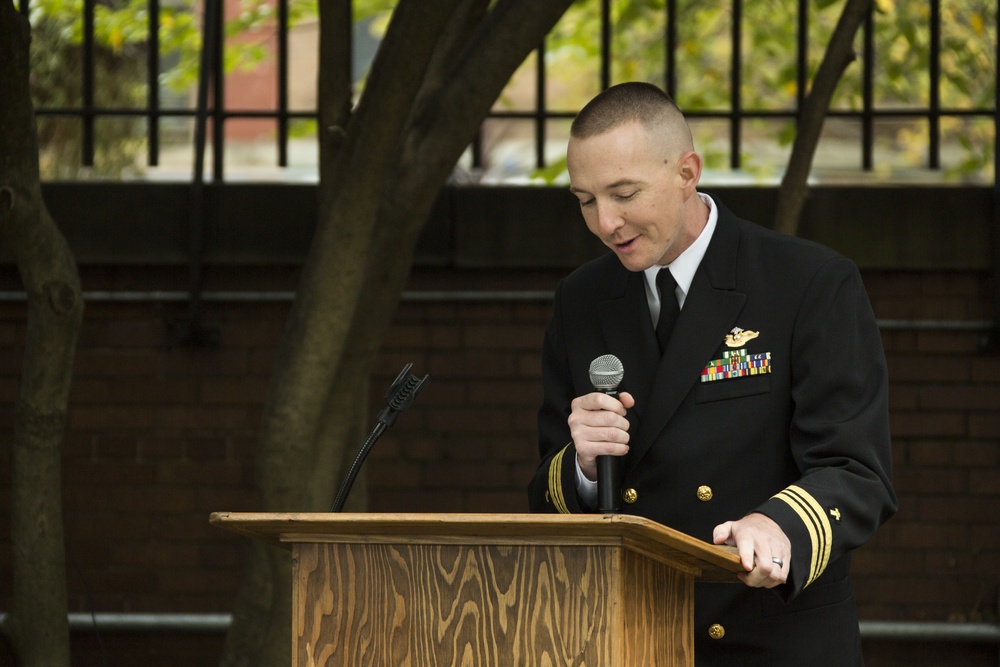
{"x": 632, "y": 193}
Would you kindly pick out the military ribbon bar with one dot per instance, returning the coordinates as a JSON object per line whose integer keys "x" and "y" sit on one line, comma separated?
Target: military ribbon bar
{"x": 736, "y": 364}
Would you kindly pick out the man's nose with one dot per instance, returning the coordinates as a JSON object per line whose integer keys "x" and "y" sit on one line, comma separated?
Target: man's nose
{"x": 609, "y": 217}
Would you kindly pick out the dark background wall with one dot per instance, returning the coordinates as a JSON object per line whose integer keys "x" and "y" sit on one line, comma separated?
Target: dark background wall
{"x": 162, "y": 434}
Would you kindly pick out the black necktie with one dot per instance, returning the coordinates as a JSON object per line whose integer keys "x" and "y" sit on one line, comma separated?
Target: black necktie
{"x": 669, "y": 309}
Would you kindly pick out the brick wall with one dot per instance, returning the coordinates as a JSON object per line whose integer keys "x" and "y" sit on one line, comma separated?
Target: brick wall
{"x": 161, "y": 435}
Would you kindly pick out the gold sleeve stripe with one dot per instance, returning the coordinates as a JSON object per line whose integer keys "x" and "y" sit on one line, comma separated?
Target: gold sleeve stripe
{"x": 555, "y": 482}
{"x": 817, "y": 525}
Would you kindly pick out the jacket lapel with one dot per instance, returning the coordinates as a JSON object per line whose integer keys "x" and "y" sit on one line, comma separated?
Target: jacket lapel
{"x": 629, "y": 333}
{"x": 710, "y": 312}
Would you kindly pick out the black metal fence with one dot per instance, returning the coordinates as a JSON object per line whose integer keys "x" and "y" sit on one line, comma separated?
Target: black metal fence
{"x": 735, "y": 113}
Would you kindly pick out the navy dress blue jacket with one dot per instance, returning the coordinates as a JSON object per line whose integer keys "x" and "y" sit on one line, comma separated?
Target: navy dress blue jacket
{"x": 771, "y": 397}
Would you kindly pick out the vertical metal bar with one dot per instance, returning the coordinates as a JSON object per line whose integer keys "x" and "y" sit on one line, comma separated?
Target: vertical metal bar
{"x": 934, "y": 118}
{"x": 735, "y": 83}
{"x": 153, "y": 85}
{"x": 802, "y": 56}
{"x": 283, "y": 28}
{"x": 992, "y": 341}
{"x": 196, "y": 230}
{"x": 868, "y": 95}
{"x": 206, "y": 69}
{"x": 605, "y": 44}
{"x": 540, "y": 107}
{"x": 89, "y": 67}
{"x": 477, "y": 149}
{"x": 670, "y": 67}
{"x": 218, "y": 90}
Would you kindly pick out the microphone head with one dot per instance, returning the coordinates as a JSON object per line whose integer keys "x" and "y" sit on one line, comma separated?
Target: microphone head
{"x": 606, "y": 372}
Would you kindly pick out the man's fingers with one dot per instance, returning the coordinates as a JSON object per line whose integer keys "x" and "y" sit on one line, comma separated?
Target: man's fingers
{"x": 723, "y": 533}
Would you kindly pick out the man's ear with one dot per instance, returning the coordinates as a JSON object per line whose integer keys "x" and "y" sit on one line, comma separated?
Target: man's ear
{"x": 689, "y": 170}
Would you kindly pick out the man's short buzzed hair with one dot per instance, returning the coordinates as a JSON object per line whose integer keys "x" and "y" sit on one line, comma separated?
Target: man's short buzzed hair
{"x": 628, "y": 102}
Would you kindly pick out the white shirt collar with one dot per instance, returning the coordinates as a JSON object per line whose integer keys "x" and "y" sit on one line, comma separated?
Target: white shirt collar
{"x": 684, "y": 267}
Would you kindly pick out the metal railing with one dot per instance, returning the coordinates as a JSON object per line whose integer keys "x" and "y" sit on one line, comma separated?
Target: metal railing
{"x": 967, "y": 633}
{"x": 545, "y": 108}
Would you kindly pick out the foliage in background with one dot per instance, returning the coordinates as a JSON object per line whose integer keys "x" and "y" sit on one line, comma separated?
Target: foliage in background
{"x": 768, "y": 75}
{"x": 573, "y": 61}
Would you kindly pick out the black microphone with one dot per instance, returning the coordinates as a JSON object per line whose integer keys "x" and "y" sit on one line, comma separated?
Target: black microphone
{"x": 606, "y": 373}
{"x": 399, "y": 397}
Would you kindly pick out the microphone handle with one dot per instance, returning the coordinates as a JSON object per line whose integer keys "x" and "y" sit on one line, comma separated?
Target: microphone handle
{"x": 609, "y": 483}
{"x": 609, "y": 487}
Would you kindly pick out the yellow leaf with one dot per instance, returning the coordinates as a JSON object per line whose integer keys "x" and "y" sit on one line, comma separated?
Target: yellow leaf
{"x": 977, "y": 23}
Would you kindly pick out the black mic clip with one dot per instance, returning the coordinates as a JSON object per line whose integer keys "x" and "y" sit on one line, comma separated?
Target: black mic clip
{"x": 404, "y": 389}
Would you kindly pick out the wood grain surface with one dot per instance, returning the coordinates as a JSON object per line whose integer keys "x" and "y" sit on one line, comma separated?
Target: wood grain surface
{"x": 489, "y": 590}
{"x": 454, "y": 605}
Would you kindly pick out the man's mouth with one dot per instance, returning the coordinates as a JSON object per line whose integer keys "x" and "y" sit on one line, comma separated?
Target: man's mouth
{"x": 625, "y": 246}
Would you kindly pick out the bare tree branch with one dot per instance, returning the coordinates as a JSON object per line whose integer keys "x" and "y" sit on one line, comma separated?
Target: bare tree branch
{"x": 839, "y": 54}
{"x": 37, "y": 622}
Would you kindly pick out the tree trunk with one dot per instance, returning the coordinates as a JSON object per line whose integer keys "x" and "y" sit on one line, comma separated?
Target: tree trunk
{"x": 37, "y": 622}
{"x": 838, "y": 55}
{"x": 439, "y": 69}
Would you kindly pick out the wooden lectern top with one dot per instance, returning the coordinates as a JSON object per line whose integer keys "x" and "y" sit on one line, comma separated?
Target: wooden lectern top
{"x": 706, "y": 562}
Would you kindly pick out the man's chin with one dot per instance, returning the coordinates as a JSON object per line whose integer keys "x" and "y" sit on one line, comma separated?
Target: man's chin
{"x": 633, "y": 263}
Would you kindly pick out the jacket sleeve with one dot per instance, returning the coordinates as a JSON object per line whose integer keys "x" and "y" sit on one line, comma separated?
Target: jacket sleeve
{"x": 553, "y": 486}
{"x": 839, "y": 432}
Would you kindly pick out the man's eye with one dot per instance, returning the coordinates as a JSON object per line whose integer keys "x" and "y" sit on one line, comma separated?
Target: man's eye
{"x": 586, "y": 202}
{"x": 625, "y": 197}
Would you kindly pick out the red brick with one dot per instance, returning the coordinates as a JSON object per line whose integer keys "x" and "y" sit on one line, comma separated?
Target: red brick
{"x": 205, "y": 363}
{"x": 501, "y": 336}
{"x": 474, "y": 475}
{"x": 110, "y": 447}
{"x": 155, "y": 391}
{"x": 497, "y": 393}
{"x": 960, "y": 397}
{"x": 964, "y": 342}
{"x": 120, "y": 333}
{"x": 963, "y": 509}
{"x": 145, "y": 499}
{"x": 985, "y": 482}
{"x": 84, "y": 391}
{"x": 979, "y": 453}
{"x": 929, "y": 368}
{"x": 253, "y": 334}
{"x": 986, "y": 369}
{"x": 155, "y": 448}
{"x": 194, "y": 417}
{"x": 937, "y": 452}
{"x": 112, "y": 418}
{"x": 985, "y": 425}
{"x": 925, "y": 535}
{"x": 101, "y": 363}
{"x": 108, "y": 473}
{"x": 919, "y": 480}
{"x": 198, "y": 474}
{"x": 928, "y": 424}
{"x": 243, "y": 391}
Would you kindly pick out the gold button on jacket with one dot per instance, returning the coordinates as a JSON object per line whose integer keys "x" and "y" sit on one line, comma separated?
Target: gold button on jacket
{"x": 704, "y": 493}
{"x": 716, "y": 631}
{"x": 630, "y": 495}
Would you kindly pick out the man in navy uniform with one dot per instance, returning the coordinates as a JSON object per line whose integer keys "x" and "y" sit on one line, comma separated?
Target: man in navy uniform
{"x": 760, "y": 420}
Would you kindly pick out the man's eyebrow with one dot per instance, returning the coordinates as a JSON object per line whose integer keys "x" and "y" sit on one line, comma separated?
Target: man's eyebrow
{"x": 611, "y": 186}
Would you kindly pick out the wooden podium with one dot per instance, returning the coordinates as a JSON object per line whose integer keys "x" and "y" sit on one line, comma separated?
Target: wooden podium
{"x": 463, "y": 590}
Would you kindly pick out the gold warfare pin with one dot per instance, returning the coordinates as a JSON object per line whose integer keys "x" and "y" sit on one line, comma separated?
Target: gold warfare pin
{"x": 739, "y": 337}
